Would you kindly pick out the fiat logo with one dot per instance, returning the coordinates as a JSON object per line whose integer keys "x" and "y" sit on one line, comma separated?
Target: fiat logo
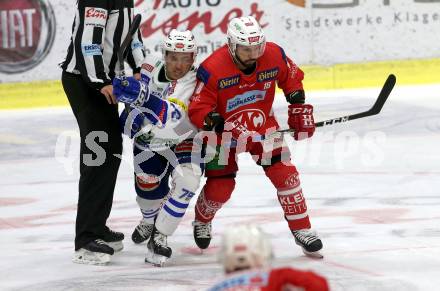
{"x": 27, "y": 32}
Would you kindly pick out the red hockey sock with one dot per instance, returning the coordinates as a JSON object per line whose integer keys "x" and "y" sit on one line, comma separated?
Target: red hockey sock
{"x": 284, "y": 177}
{"x": 214, "y": 194}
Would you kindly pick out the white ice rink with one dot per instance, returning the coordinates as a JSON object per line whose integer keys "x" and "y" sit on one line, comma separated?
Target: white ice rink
{"x": 372, "y": 185}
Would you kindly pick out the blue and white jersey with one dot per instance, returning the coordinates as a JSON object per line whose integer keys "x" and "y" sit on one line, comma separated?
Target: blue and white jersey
{"x": 174, "y": 125}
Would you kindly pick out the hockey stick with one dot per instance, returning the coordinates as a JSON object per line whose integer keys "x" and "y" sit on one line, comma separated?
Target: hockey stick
{"x": 377, "y": 107}
{"x": 125, "y": 43}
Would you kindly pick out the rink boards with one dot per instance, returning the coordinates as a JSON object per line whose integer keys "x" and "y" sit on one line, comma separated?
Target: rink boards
{"x": 356, "y": 75}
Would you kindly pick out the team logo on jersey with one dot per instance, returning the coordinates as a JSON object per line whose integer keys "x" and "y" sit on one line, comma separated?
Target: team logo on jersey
{"x": 147, "y": 182}
{"x": 267, "y": 75}
{"x": 253, "y": 119}
{"x": 148, "y": 67}
{"x": 228, "y": 82}
{"x": 245, "y": 99}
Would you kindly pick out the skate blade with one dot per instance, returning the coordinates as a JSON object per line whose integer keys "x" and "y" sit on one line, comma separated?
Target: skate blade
{"x": 117, "y": 246}
{"x": 91, "y": 258}
{"x": 316, "y": 255}
{"x": 155, "y": 259}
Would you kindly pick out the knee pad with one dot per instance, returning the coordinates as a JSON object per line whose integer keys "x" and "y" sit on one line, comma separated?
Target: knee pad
{"x": 219, "y": 189}
{"x": 150, "y": 186}
{"x": 185, "y": 180}
{"x": 186, "y": 176}
{"x": 283, "y": 175}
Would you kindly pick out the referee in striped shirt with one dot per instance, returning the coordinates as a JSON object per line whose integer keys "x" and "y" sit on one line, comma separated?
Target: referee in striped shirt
{"x": 98, "y": 30}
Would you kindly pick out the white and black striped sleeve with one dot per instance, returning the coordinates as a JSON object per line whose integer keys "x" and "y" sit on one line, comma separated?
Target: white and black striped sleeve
{"x": 92, "y": 16}
{"x": 136, "y": 53}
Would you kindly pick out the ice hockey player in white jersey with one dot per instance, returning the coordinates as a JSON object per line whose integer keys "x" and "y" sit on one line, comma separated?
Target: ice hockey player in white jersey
{"x": 156, "y": 119}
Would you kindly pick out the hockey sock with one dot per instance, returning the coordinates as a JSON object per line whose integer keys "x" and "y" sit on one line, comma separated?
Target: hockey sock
{"x": 284, "y": 177}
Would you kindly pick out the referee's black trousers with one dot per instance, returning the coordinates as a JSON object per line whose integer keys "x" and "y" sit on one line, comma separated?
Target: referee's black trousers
{"x": 101, "y": 139}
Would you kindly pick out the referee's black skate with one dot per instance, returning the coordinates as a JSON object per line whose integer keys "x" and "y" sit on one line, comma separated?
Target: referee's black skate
{"x": 158, "y": 251}
{"x": 114, "y": 240}
{"x": 202, "y": 234}
{"x": 96, "y": 252}
{"x": 142, "y": 232}
{"x": 309, "y": 241}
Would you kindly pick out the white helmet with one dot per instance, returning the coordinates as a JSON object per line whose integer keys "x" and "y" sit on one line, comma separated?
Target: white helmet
{"x": 245, "y": 31}
{"x": 244, "y": 247}
{"x": 179, "y": 41}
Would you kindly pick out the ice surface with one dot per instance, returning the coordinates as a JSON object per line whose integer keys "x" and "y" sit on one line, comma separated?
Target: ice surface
{"x": 372, "y": 187}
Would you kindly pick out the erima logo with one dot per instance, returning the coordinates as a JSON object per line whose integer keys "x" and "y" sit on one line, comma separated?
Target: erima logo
{"x": 228, "y": 82}
{"x": 267, "y": 75}
{"x": 91, "y": 49}
{"x": 245, "y": 99}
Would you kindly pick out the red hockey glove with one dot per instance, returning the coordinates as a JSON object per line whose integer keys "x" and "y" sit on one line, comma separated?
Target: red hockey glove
{"x": 301, "y": 120}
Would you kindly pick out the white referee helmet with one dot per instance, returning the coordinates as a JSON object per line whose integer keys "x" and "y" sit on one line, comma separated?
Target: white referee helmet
{"x": 244, "y": 247}
{"x": 245, "y": 31}
{"x": 179, "y": 41}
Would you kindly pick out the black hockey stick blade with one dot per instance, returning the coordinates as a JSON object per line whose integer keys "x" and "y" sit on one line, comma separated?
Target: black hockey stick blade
{"x": 377, "y": 107}
{"x": 127, "y": 41}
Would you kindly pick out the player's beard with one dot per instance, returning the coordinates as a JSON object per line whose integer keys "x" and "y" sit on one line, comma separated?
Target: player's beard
{"x": 248, "y": 64}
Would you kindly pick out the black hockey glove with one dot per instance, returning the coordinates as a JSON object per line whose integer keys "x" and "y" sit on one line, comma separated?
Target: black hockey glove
{"x": 214, "y": 121}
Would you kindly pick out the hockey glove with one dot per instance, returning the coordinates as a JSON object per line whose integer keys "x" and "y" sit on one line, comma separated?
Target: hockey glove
{"x": 135, "y": 93}
{"x": 131, "y": 121}
{"x": 214, "y": 121}
{"x": 301, "y": 120}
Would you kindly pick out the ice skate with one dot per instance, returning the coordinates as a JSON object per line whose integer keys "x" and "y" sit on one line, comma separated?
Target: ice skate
{"x": 96, "y": 252}
{"x": 158, "y": 251}
{"x": 142, "y": 232}
{"x": 309, "y": 241}
{"x": 202, "y": 234}
{"x": 114, "y": 240}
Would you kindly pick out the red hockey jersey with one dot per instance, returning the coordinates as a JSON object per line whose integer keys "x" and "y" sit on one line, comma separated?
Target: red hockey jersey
{"x": 273, "y": 280}
{"x": 223, "y": 88}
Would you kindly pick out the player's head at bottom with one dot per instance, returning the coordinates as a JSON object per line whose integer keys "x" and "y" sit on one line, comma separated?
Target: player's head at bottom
{"x": 245, "y": 247}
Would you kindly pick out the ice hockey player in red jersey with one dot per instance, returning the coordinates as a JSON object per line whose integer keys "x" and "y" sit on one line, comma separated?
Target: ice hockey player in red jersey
{"x": 246, "y": 255}
{"x": 234, "y": 95}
